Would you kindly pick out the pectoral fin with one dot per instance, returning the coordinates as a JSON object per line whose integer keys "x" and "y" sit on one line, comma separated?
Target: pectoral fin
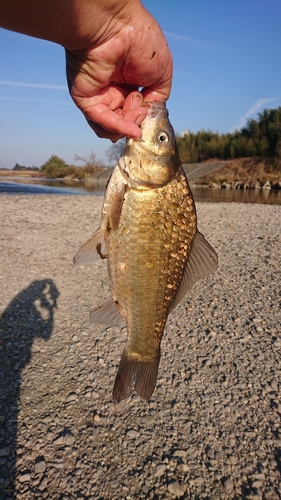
{"x": 115, "y": 207}
{"x": 91, "y": 251}
{"x": 202, "y": 261}
{"x": 107, "y": 314}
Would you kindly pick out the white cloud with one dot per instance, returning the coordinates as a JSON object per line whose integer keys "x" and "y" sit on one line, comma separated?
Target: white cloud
{"x": 33, "y": 85}
{"x": 255, "y": 108}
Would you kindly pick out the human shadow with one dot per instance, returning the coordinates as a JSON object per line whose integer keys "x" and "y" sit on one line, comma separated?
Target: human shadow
{"x": 30, "y": 314}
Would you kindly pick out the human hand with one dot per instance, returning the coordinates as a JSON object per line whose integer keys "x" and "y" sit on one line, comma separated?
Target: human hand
{"x": 104, "y": 78}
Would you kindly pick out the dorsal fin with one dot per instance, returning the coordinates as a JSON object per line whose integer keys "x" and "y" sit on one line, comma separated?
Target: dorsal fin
{"x": 91, "y": 251}
{"x": 202, "y": 261}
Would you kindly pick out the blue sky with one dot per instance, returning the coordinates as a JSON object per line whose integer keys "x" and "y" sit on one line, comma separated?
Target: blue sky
{"x": 226, "y": 69}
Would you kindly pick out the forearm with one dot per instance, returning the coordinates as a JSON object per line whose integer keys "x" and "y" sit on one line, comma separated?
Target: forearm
{"x": 74, "y": 24}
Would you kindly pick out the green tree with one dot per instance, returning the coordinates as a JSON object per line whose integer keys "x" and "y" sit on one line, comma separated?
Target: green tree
{"x": 56, "y": 167}
{"x": 258, "y": 138}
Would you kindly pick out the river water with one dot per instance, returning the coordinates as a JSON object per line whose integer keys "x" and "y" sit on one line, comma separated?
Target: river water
{"x": 24, "y": 186}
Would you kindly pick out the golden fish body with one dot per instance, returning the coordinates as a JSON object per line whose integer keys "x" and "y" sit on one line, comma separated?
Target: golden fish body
{"x": 154, "y": 251}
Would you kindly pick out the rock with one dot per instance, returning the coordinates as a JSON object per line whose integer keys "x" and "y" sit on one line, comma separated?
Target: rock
{"x": 68, "y": 439}
{"x": 210, "y": 453}
{"x": 72, "y": 397}
{"x": 40, "y": 466}
{"x": 257, "y": 185}
{"x": 160, "y": 469}
{"x": 183, "y": 467}
{"x": 176, "y": 489}
{"x": 132, "y": 434}
{"x": 180, "y": 453}
{"x": 228, "y": 484}
{"x": 218, "y": 456}
{"x": 58, "y": 441}
{"x": 135, "y": 398}
{"x": 198, "y": 480}
{"x": 43, "y": 484}
{"x": 266, "y": 185}
{"x": 257, "y": 484}
{"x": 23, "y": 478}
{"x": 4, "y": 452}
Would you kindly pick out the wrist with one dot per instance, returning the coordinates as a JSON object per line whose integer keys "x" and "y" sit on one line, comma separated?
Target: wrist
{"x": 74, "y": 24}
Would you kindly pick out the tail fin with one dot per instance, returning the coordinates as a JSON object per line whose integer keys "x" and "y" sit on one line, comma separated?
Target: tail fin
{"x": 140, "y": 376}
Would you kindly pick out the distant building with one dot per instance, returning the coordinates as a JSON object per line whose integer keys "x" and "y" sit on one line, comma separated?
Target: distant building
{"x": 185, "y": 132}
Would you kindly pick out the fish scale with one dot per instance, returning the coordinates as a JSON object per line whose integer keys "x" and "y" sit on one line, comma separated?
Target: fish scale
{"x": 154, "y": 250}
{"x": 155, "y": 260}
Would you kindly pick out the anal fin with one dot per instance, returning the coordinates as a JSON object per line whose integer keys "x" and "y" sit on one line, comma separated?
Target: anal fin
{"x": 135, "y": 375}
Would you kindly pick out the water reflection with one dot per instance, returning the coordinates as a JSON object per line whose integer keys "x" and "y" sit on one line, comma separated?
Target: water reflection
{"x": 33, "y": 185}
{"x": 268, "y": 196}
{"x": 92, "y": 187}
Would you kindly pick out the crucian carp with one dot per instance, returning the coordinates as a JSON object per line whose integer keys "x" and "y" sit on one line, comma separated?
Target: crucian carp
{"x": 154, "y": 251}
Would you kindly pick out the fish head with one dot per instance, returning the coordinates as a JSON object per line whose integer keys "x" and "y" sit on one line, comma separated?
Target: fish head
{"x": 153, "y": 160}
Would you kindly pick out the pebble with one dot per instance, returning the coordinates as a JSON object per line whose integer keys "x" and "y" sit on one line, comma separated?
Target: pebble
{"x": 25, "y": 477}
{"x": 113, "y": 483}
{"x": 203, "y": 434}
{"x": 218, "y": 456}
{"x": 40, "y": 466}
{"x": 180, "y": 453}
{"x": 72, "y": 397}
{"x": 175, "y": 489}
{"x": 43, "y": 484}
{"x": 132, "y": 434}
{"x": 228, "y": 484}
{"x": 160, "y": 469}
{"x": 210, "y": 453}
{"x": 4, "y": 452}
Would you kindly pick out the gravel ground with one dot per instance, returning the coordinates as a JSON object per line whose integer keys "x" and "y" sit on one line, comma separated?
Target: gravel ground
{"x": 212, "y": 428}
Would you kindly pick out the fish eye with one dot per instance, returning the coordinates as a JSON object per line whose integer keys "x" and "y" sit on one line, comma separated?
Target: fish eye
{"x": 163, "y": 137}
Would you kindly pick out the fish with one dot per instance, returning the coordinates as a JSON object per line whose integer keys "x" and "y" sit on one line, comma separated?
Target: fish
{"x": 154, "y": 251}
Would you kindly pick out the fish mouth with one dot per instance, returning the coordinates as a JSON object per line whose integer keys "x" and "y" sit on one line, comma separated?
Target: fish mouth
{"x": 153, "y": 108}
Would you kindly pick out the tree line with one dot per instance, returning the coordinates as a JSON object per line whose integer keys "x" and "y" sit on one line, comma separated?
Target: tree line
{"x": 55, "y": 167}
{"x": 261, "y": 137}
